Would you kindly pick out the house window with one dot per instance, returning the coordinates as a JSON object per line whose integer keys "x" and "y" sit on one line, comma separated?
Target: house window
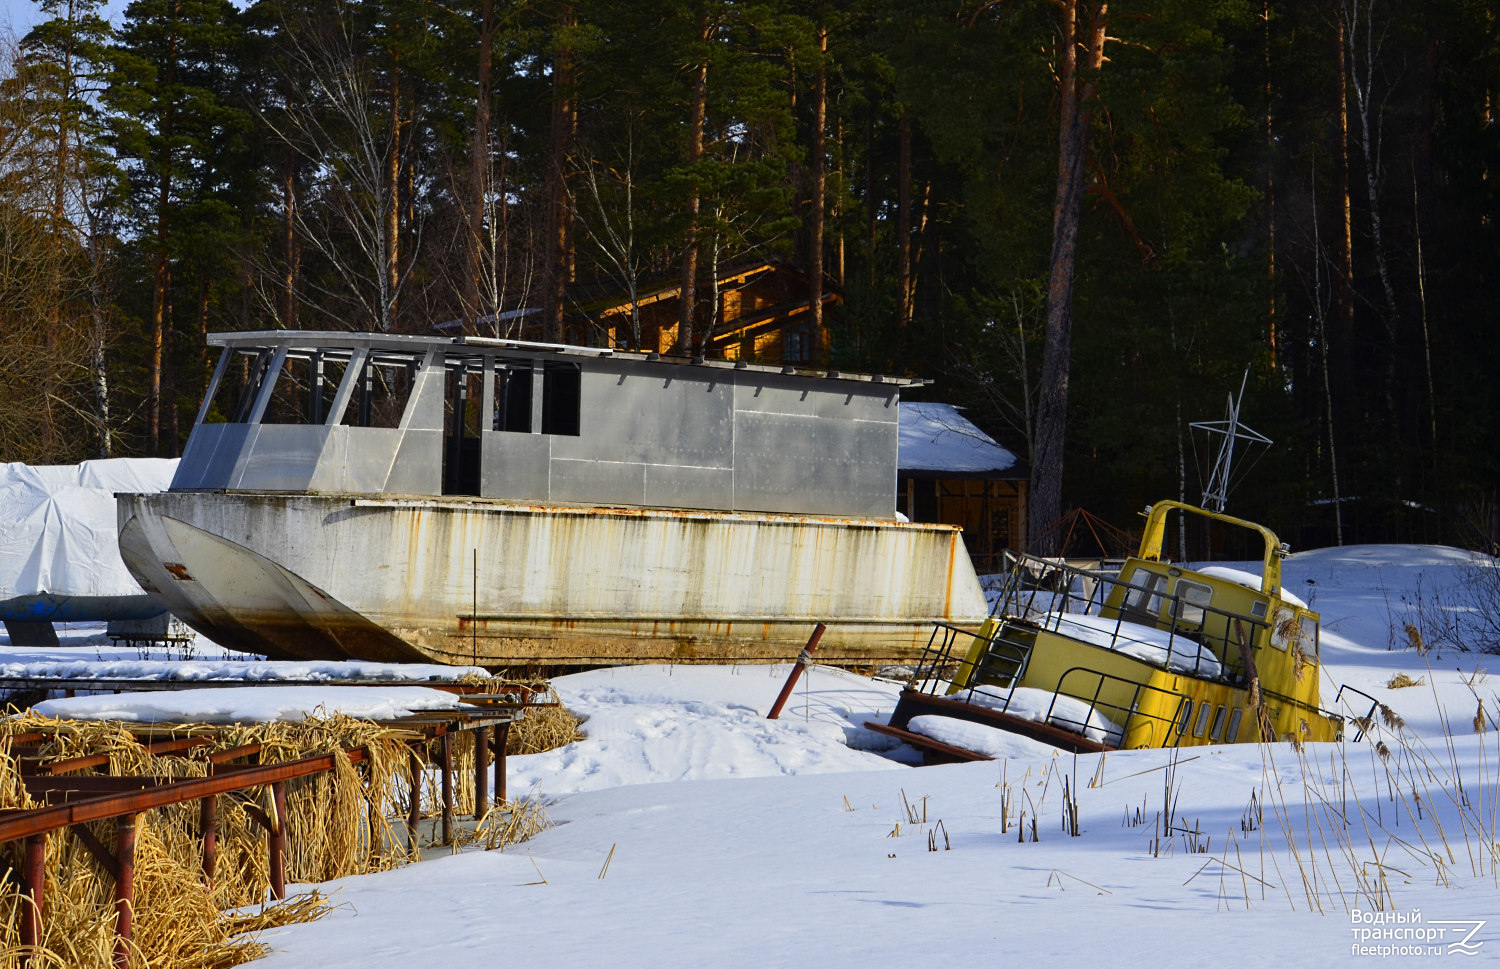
{"x": 798, "y": 345}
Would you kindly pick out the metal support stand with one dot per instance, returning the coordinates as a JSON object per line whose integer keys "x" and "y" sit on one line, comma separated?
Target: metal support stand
{"x": 481, "y": 771}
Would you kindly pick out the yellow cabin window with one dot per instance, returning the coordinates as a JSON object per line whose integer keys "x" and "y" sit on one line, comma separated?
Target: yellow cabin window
{"x": 1217, "y": 734}
{"x": 1234, "y": 725}
{"x": 1185, "y": 717}
{"x": 1192, "y": 598}
{"x": 1202, "y": 723}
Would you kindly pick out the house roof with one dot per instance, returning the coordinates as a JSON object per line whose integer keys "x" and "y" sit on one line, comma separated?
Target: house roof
{"x": 937, "y": 440}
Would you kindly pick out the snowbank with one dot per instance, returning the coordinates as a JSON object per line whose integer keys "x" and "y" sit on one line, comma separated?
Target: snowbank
{"x": 261, "y": 705}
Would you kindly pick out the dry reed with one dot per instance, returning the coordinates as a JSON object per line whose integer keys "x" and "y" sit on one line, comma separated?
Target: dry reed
{"x": 338, "y": 823}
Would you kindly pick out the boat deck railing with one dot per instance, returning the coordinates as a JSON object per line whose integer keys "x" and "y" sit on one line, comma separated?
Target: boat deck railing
{"x": 1046, "y": 592}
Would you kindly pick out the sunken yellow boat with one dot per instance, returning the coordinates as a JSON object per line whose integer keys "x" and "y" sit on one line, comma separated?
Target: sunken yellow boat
{"x": 1158, "y": 655}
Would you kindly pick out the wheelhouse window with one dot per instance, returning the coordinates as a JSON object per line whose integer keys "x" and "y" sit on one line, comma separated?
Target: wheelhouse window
{"x": 381, "y": 394}
{"x": 562, "y": 391}
{"x": 239, "y": 385}
{"x": 513, "y": 398}
{"x": 1192, "y": 599}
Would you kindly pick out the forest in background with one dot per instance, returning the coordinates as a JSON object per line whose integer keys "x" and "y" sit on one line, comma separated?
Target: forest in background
{"x": 1309, "y": 189}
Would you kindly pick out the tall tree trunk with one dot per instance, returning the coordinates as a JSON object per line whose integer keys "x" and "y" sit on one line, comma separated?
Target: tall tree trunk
{"x": 392, "y": 268}
{"x": 1075, "y": 98}
{"x": 291, "y": 253}
{"x": 560, "y": 144}
{"x": 1345, "y": 290}
{"x": 697, "y": 111}
{"x": 1362, "y": 79}
{"x": 903, "y": 219}
{"x": 819, "y": 184}
{"x": 1273, "y": 337}
{"x": 479, "y": 168}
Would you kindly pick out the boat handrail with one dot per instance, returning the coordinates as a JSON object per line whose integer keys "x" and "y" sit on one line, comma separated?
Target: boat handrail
{"x": 1047, "y": 602}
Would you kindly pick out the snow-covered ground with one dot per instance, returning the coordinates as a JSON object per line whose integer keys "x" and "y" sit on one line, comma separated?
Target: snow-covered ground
{"x": 693, "y": 832}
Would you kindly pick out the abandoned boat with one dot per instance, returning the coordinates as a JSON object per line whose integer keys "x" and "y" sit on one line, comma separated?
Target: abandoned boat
{"x": 468, "y": 500}
{"x": 1158, "y": 655}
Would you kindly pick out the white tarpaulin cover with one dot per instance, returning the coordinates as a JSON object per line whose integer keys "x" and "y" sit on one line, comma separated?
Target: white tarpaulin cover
{"x": 58, "y": 532}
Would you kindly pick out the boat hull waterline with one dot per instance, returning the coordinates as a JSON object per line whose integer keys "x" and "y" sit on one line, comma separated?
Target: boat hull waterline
{"x": 492, "y": 582}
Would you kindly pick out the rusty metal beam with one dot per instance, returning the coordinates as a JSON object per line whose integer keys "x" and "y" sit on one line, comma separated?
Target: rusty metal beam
{"x": 481, "y": 771}
{"x": 208, "y": 828}
{"x": 447, "y": 779}
{"x": 414, "y": 805}
{"x": 276, "y": 844}
{"x": 126, "y": 828}
{"x": 501, "y": 739}
{"x": 156, "y": 748}
{"x": 22, "y": 824}
{"x": 34, "y": 874}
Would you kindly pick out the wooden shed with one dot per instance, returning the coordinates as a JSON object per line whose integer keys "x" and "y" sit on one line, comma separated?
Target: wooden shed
{"x": 950, "y": 471}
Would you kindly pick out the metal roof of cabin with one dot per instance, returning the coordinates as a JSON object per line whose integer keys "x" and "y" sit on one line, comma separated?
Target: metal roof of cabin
{"x": 401, "y": 342}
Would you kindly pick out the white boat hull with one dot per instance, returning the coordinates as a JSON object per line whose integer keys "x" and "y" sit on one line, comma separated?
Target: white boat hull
{"x": 500, "y": 583}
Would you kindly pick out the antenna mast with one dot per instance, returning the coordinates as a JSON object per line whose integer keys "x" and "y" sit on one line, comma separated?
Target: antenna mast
{"x": 1216, "y": 495}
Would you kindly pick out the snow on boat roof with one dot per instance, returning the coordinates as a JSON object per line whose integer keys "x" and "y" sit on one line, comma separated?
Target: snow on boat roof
{"x": 1247, "y": 579}
{"x": 937, "y": 437}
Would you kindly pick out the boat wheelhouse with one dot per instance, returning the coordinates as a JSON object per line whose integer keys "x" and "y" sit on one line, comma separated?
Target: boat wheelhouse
{"x": 472, "y": 500}
{"x": 1157, "y": 655}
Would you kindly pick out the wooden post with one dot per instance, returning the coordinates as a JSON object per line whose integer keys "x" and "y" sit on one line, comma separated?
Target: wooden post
{"x": 414, "y": 808}
{"x": 481, "y": 771}
{"x": 446, "y": 741}
{"x": 35, "y": 876}
{"x": 208, "y": 825}
{"x": 278, "y": 840}
{"x": 126, "y": 828}
{"x": 501, "y": 739}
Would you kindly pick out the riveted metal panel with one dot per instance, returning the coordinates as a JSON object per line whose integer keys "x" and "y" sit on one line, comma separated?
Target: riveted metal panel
{"x": 804, "y": 465}
{"x": 602, "y": 481}
{"x": 676, "y": 486}
{"x": 832, "y": 400}
{"x": 515, "y": 465}
{"x": 643, "y": 415}
{"x": 418, "y": 468}
{"x": 356, "y": 460}
{"x": 282, "y": 457}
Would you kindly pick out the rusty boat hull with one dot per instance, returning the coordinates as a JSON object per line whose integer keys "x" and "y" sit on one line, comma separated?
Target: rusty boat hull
{"x": 495, "y": 582}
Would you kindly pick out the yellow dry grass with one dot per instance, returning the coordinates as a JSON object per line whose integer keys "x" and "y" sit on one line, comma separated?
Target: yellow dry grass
{"x": 340, "y": 823}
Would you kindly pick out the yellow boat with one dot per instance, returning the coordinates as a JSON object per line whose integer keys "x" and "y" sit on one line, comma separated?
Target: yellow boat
{"x": 1157, "y": 655}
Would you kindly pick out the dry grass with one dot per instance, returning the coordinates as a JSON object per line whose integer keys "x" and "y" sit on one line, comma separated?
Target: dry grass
{"x": 340, "y": 823}
{"x": 1401, "y": 681}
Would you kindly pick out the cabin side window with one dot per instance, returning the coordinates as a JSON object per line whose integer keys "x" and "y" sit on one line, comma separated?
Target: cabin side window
{"x": 562, "y": 392}
{"x": 1192, "y": 599}
{"x": 1145, "y": 592}
{"x": 513, "y": 398}
{"x": 1203, "y": 714}
{"x": 304, "y": 389}
{"x": 1310, "y": 637}
{"x": 380, "y": 396}
{"x": 238, "y": 387}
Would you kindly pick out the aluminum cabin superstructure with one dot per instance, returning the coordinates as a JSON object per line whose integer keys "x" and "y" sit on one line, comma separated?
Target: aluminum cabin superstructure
{"x": 462, "y": 500}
